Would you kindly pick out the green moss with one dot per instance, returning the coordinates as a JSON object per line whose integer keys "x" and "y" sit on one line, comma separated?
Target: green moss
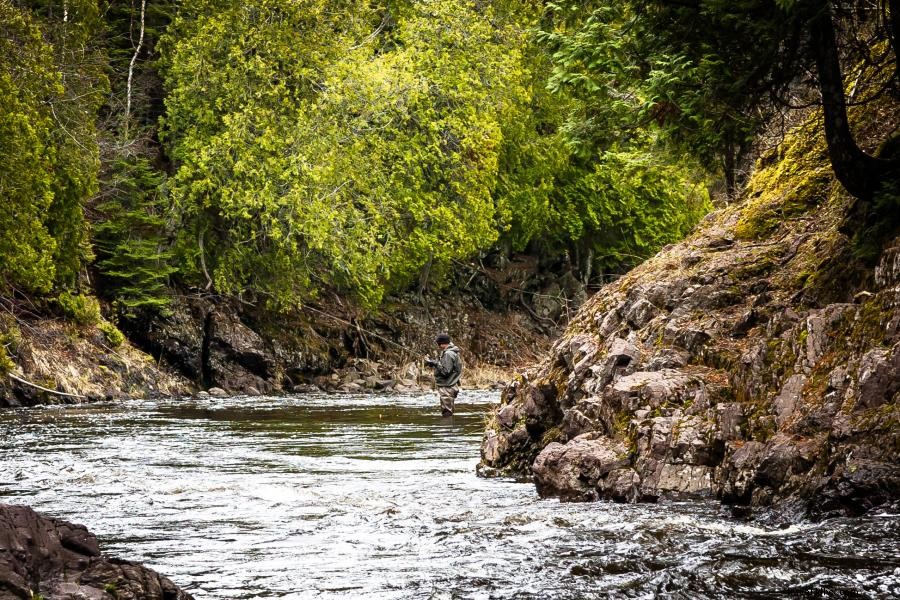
{"x": 551, "y": 435}
{"x": 793, "y": 181}
{"x": 762, "y": 265}
{"x": 114, "y": 337}
{"x": 621, "y": 423}
{"x": 10, "y": 341}
{"x": 6, "y": 363}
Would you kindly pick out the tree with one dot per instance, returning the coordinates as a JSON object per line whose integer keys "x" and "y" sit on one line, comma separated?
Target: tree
{"x": 710, "y": 73}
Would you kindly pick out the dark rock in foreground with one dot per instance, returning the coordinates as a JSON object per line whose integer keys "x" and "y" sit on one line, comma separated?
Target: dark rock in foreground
{"x": 50, "y": 558}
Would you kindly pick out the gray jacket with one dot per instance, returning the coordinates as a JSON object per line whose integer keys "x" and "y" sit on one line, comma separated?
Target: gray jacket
{"x": 449, "y": 367}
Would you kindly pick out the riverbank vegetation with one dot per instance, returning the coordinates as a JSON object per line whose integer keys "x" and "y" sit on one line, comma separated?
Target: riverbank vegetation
{"x": 271, "y": 151}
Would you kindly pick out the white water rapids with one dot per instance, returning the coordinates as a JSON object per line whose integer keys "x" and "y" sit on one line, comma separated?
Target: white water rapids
{"x": 335, "y": 496}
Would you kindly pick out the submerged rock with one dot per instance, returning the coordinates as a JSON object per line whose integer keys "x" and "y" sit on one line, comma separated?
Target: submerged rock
{"x": 51, "y": 558}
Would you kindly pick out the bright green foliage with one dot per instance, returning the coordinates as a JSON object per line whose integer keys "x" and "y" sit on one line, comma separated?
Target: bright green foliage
{"x": 51, "y": 87}
{"x": 81, "y": 66}
{"x": 80, "y": 308}
{"x": 377, "y": 145}
{"x": 351, "y": 144}
{"x": 626, "y": 208}
{"x": 373, "y": 155}
{"x": 691, "y": 69}
{"x": 111, "y": 333}
{"x": 131, "y": 239}
{"x": 10, "y": 340}
{"x": 27, "y": 155}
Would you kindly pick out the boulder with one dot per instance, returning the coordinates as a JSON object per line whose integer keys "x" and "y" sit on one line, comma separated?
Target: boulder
{"x": 55, "y": 559}
{"x": 575, "y": 470}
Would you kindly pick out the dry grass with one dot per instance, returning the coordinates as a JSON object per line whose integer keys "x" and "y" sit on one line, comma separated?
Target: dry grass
{"x": 487, "y": 376}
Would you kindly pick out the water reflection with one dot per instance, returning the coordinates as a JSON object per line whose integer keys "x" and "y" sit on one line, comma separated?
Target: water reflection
{"x": 376, "y": 497}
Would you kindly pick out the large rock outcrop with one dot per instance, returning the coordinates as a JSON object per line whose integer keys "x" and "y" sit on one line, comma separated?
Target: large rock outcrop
{"x": 757, "y": 362}
{"x": 50, "y": 558}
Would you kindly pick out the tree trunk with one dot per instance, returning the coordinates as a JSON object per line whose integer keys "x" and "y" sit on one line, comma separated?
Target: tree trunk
{"x": 893, "y": 26}
{"x": 730, "y": 168}
{"x": 859, "y": 173}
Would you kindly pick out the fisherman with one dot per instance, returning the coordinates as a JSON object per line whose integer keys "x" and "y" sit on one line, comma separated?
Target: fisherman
{"x": 447, "y": 371}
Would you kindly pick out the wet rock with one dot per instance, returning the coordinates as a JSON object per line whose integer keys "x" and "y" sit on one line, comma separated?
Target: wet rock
{"x": 306, "y": 388}
{"x": 385, "y": 385}
{"x": 59, "y": 560}
{"x": 509, "y": 415}
{"x": 574, "y": 471}
{"x": 721, "y": 372}
{"x": 622, "y": 485}
{"x": 217, "y": 392}
{"x": 678, "y": 481}
{"x": 737, "y": 482}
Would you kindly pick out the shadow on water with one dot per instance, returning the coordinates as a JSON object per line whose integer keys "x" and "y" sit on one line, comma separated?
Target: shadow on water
{"x": 329, "y": 496}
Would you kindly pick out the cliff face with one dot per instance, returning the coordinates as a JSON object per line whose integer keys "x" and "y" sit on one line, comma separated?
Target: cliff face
{"x": 757, "y": 362}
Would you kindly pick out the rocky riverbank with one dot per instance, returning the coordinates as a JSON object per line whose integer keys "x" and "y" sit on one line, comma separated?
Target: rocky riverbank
{"x": 43, "y": 557}
{"x": 502, "y": 317}
{"x": 757, "y": 362}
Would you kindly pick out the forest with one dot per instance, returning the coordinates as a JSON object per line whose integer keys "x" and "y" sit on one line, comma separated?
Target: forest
{"x": 328, "y": 298}
{"x": 270, "y": 150}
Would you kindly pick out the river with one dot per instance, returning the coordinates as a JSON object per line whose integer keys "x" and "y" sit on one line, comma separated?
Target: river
{"x": 335, "y": 496}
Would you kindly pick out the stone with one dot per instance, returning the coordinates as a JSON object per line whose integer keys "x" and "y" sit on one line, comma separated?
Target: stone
{"x": 306, "y": 388}
{"x": 509, "y": 415}
{"x": 640, "y": 313}
{"x": 622, "y": 485}
{"x": 63, "y": 561}
{"x": 730, "y": 421}
{"x": 819, "y": 325}
{"x": 217, "y": 392}
{"x": 574, "y": 471}
{"x": 684, "y": 480}
{"x": 385, "y": 384}
{"x": 788, "y": 398}
{"x": 879, "y": 377}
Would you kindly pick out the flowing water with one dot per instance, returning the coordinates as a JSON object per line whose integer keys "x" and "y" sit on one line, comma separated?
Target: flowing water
{"x": 329, "y": 496}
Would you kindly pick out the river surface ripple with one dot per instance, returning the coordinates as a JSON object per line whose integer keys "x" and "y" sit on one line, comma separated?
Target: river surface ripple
{"x": 332, "y": 496}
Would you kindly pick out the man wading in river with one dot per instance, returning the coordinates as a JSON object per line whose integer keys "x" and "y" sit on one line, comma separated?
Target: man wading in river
{"x": 447, "y": 371}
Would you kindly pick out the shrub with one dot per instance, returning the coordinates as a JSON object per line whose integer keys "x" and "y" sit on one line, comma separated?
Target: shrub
{"x": 6, "y": 363}
{"x": 83, "y": 310}
{"x": 114, "y": 337}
